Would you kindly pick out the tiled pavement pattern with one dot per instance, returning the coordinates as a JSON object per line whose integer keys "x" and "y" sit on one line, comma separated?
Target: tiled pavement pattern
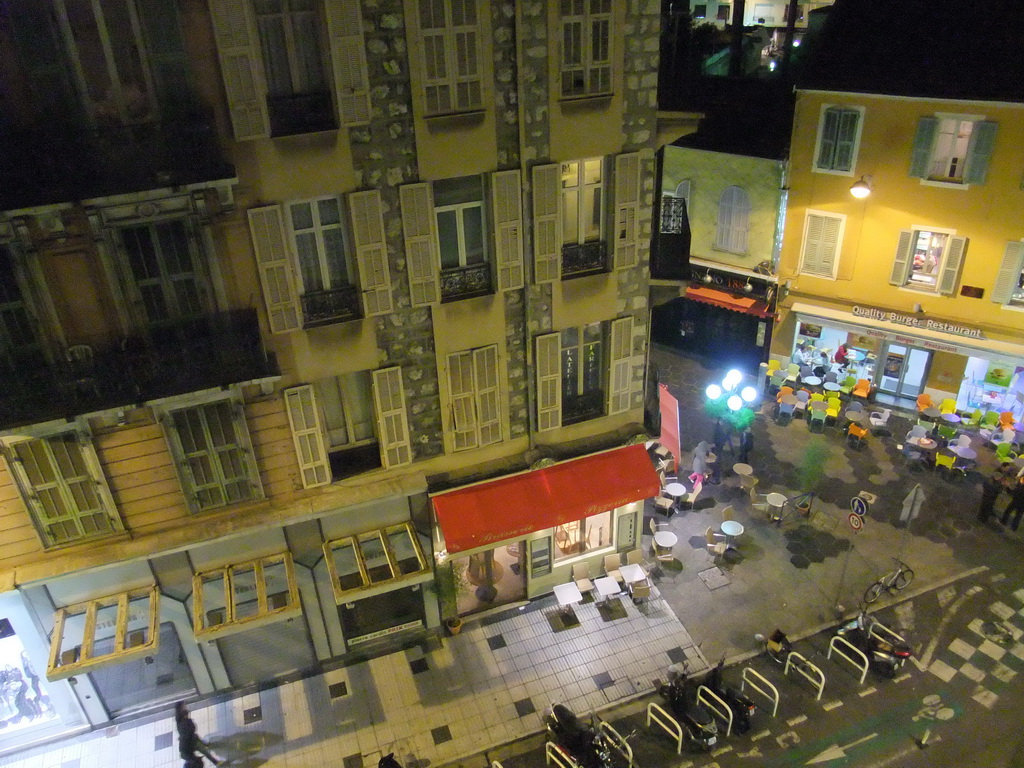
{"x": 488, "y": 685}
{"x": 991, "y": 665}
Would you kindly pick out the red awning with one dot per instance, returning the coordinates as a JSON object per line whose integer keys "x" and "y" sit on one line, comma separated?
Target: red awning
{"x": 726, "y": 300}
{"x": 515, "y": 506}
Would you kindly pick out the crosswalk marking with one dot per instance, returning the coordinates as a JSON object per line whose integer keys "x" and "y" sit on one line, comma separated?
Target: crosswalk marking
{"x": 867, "y": 691}
{"x": 796, "y": 720}
{"x": 832, "y": 705}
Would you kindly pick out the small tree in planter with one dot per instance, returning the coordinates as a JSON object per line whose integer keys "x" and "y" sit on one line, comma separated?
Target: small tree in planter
{"x": 449, "y": 579}
{"x": 810, "y": 472}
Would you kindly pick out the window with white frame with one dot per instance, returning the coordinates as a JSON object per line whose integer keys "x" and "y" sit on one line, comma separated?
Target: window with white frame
{"x": 929, "y": 260}
{"x": 823, "y": 234}
{"x": 838, "y": 139}
{"x": 450, "y": 37}
{"x": 473, "y": 389}
{"x": 244, "y": 595}
{"x": 1009, "y": 287}
{"x": 582, "y": 201}
{"x": 578, "y": 537}
{"x": 63, "y": 487}
{"x": 346, "y": 405}
{"x": 586, "y": 65}
{"x": 210, "y": 445}
{"x": 162, "y": 264}
{"x": 459, "y": 213}
{"x": 953, "y": 149}
{"x": 318, "y": 234}
{"x": 733, "y": 220}
{"x": 19, "y": 341}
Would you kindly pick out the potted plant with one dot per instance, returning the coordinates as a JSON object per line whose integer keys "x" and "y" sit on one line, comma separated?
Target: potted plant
{"x": 449, "y": 579}
{"x": 810, "y": 472}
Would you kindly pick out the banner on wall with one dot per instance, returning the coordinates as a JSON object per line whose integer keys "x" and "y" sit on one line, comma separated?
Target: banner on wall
{"x": 669, "y": 408}
{"x": 1000, "y": 373}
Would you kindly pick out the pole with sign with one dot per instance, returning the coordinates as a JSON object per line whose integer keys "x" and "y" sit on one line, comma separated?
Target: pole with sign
{"x": 859, "y": 508}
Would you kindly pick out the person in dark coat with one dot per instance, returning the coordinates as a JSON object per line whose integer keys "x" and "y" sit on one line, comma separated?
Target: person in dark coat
{"x": 990, "y": 491}
{"x": 388, "y": 761}
{"x": 188, "y": 739}
{"x": 746, "y": 446}
{"x": 1016, "y": 505}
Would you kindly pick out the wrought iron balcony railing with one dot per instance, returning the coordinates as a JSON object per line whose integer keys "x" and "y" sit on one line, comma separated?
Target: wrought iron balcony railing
{"x": 466, "y": 282}
{"x": 213, "y": 351}
{"x": 48, "y": 164}
{"x": 577, "y": 408}
{"x": 335, "y": 305}
{"x": 583, "y": 260}
{"x": 301, "y": 113}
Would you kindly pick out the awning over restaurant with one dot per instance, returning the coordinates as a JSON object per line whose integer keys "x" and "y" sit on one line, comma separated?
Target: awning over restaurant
{"x": 514, "y": 506}
{"x": 726, "y": 300}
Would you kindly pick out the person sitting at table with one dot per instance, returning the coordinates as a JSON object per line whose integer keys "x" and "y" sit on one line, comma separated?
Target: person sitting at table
{"x": 841, "y": 355}
{"x": 821, "y": 365}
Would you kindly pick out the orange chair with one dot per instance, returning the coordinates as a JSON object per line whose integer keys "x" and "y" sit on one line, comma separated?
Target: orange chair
{"x": 856, "y": 432}
{"x": 863, "y": 388}
{"x": 1006, "y": 420}
{"x": 924, "y": 401}
{"x": 783, "y": 391}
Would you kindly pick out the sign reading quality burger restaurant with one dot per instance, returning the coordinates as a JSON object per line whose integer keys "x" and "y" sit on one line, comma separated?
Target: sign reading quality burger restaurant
{"x": 918, "y": 321}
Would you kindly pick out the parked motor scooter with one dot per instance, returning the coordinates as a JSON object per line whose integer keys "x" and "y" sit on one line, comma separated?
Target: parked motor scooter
{"x": 585, "y": 743}
{"x": 742, "y": 706}
{"x": 777, "y": 645}
{"x": 681, "y": 695}
{"x": 886, "y": 652}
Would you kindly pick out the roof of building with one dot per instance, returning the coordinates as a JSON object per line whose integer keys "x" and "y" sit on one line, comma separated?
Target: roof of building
{"x": 925, "y": 48}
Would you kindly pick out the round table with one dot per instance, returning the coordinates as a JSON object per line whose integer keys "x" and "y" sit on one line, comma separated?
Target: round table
{"x": 744, "y": 470}
{"x": 675, "y": 489}
{"x": 665, "y": 539}
{"x": 853, "y": 354}
{"x": 952, "y": 418}
{"x": 818, "y": 405}
{"x": 776, "y": 501}
{"x": 811, "y": 381}
{"x": 830, "y": 386}
{"x": 732, "y": 528}
{"x": 789, "y": 400}
{"x": 924, "y": 442}
{"x": 964, "y": 452}
{"x": 931, "y": 413}
{"x": 855, "y": 417}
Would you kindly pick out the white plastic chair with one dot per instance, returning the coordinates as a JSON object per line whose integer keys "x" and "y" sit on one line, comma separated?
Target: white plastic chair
{"x": 879, "y": 418}
{"x": 581, "y": 575}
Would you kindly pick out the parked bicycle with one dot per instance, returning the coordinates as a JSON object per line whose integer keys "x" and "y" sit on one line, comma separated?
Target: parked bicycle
{"x": 891, "y": 582}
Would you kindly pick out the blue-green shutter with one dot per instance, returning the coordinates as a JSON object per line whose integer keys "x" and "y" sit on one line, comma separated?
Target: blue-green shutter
{"x": 922, "y": 153}
{"x": 827, "y": 142}
{"x": 983, "y": 139}
{"x": 161, "y": 25}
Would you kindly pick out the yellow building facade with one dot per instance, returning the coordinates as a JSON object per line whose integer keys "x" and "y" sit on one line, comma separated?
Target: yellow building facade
{"x": 302, "y": 265}
{"x": 922, "y": 277}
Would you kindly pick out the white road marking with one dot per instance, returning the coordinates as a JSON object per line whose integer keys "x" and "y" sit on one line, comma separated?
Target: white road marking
{"x": 901, "y": 678}
{"x": 867, "y": 691}
{"x": 970, "y": 671}
{"x": 926, "y": 657}
{"x": 755, "y": 752}
{"x": 796, "y": 720}
{"x": 722, "y": 751}
{"x": 1002, "y": 610}
{"x": 962, "y": 649}
{"x": 836, "y": 752}
{"x": 985, "y": 697}
{"x": 832, "y": 705}
{"x": 788, "y": 739}
{"x": 763, "y": 734}
{"x": 942, "y": 670}
{"x": 992, "y": 650}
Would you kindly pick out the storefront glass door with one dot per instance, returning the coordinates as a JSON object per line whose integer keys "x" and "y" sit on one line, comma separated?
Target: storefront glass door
{"x": 489, "y": 579}
{"x": 904, "y": 370}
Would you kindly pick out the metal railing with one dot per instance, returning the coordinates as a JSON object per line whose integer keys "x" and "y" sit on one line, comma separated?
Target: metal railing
{"x": 584, "y": 259}
{"x": 466, "y": 282}
{"x": 334, "y": 305}
{"x": 577, "y": 408}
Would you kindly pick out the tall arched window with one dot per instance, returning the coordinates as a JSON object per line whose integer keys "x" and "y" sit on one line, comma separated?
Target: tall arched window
{"x": 733, "y": 220}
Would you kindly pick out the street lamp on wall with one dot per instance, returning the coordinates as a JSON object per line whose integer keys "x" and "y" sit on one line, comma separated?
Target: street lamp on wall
{"x": 861, "y": 188}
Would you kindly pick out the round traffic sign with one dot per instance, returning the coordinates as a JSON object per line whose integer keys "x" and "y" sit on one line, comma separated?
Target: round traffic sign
{"x": 856, "y": 521}
{"x": 859, "y": 506}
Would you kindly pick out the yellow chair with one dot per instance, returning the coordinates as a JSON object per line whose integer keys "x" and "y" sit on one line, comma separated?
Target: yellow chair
{"x": 773, "y": 365}
{"x": 817, "y": 397}
{"x": 834, "y": 406}
{"x": 948, "y": 406}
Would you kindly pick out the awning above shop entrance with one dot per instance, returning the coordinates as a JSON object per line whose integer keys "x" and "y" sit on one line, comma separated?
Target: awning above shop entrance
{"x": 726, "y": 300}
{"x": 514, "y": 506}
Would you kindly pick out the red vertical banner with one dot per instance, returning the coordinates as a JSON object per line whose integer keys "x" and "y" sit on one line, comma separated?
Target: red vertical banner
{"x": 669, "y": 407}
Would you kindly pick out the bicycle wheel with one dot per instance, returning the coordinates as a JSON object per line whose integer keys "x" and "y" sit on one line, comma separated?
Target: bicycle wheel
{"x": 873, "y": 592}
{"x": 903, "y": 578}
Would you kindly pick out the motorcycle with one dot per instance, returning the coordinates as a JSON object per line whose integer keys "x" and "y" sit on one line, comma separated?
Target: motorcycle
{"x": 742, "y": 706}
{"x": 585, "y": 743}
{"x": 886, "y": 651}
{"x": 681, "y": 696}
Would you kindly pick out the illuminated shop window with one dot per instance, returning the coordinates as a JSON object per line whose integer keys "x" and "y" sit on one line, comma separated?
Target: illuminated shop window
{"x": 374, "y": 558}
{"x": 107, "y": 630}
{"x": 241, "y": 596}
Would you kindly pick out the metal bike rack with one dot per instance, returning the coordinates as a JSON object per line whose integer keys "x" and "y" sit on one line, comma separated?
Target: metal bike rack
{"x": 562, "y": 758}
{"x": 617, "y": 740}
{"x": 716, "y": 704}
{"x": 496, "y": 764}
{"x": 762, "y": 685}
{"x": 667, "y": 723}
{"x": 861, "y": 663}
{"x": 809, "y": 671}
{"x": 887, "y": 635}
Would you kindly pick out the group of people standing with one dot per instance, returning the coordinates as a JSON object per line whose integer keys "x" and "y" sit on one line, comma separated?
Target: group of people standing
{"x": 994, "y": 486}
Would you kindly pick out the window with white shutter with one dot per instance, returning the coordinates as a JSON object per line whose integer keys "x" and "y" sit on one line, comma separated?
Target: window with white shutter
{"x": 371, "y": 251}
{"x": 348, "y": 54}
{"x": 266, "y": 226}
{"x": 420, "y": 243}
{"x": 473, "y": 388}
{"x": 733, "y": 220}
{"x": 392, "y": 421}
{"x": 620, "y": 365}
{"x": 238, "y": 48}
{"x": 627, "y": 210}
{"x": 213, "y": 455}
{"x": 449, "y": 35}
{"x": 307, "y": 432}
{"x": 1009, "y": 287}
{"x": 823, "y": 234}
{"x": 506, "y": 202}
{"x": 547, "y": 223}
{"x": 63, "y": 487}
{"x": 838, "y": 139}
{"x": 953, "y": 149}
{"x": 929, "y": 260}
{"x": 549, "y": 381}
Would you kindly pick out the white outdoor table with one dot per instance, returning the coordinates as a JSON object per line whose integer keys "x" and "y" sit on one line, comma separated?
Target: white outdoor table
{"x": 567, "y": 595}
{"x": 607, "y": 586}
{"x": 818, "y": 405}
{"x": 811, "y": 381}
{"x": 731, "y": 529}
{"x": 745, "y": 470}
{"x": 665, "y": 539}
{"x": 952, "y": 418}
{"x": 964, "y": 452}
{"x": 831, "y": 386}
{"x": 632, "y": 572}
{"x": 776, "y": 501}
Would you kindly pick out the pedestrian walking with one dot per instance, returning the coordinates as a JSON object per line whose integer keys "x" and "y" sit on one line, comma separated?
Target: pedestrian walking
{"x": 746, "y": 445}
{"x": 700, "y": 461}
{"x": 722, "y": 438}
{"x": 990, "y": 491}
{"x": 189, "y": 742}
{"x": 1016, "y": 505}
{"x": 388, "y": 761}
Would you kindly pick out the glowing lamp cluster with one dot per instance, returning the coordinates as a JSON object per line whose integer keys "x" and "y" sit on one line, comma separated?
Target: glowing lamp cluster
{"x": 736, "y": 395}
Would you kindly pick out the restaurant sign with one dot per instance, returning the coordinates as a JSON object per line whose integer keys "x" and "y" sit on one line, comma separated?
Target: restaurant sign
{"x": 918, "y": 321}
